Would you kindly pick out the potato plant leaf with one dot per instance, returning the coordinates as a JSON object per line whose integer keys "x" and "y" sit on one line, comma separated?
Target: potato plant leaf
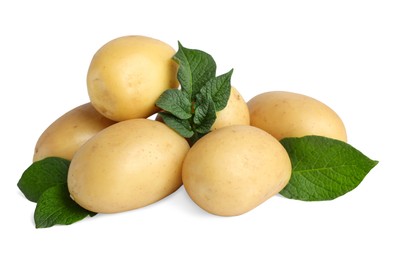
{"x": 191, "y": 110}
{"x": 219, "y": 89}
{"x": 181, "y": 126}
{"x": 56, "y": 207}
{"x": 323, "y": 168}
{"x": 205, "y": 114}
{"x": 45, "y": 182}
{"x": 195, "y": 69}
{"x": 41, "y": 175}
{"x": 176, "y": 102}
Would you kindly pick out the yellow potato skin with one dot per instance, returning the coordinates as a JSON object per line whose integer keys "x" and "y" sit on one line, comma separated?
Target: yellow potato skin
{"x": 127, "y": 166}
{"x": 236, "y": 112}
{"x": 232, "y": 170}
{"x": 69, "y": 132}
{"x": 286, "y": 114}
{"x": 128, "y": 74}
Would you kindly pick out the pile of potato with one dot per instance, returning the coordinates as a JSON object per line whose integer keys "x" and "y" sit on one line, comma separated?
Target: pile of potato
{"x": 123, "y": 157}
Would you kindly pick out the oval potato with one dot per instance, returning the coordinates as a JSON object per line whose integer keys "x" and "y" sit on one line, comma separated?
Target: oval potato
{"x": 236, "y": 112}
{"x": 127, "y": 166}
{"x": 286, "y": 114}
{"x": 128, "y": 74}
{"x": 232, "y": 170}
{"x": 69, "y": 132}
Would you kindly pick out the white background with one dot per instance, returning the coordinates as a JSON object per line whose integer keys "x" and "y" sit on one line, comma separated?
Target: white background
{"x": 348, "y": 54}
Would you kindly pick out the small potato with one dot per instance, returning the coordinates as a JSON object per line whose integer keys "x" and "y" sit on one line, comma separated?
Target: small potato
{"x": 127, "y": 166}
{"x": 286, "y": 114}
{"x": 65, "y": 135}
{"x": 232, "y": 170}
{"x": 128, "y": 74}
{"x": 236, "y": 112}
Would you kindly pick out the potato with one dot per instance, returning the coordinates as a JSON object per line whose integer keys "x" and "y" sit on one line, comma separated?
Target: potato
{"x": 236, "y": 112}
{"x": 128, "y": 74}
{"x": 287, "y": 114}
{"x": 234, "y": 169}
{"x": 127, "y": 166}
{"x": 65, "y": 135}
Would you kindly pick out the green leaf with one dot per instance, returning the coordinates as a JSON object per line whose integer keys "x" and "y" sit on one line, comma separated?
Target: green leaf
{"x": 323, "y": 168}
{"x": 191, "y": 110}
{"x": 219, "y": 89}
{"x": 55, "y": 207}
{"x": 196, "y": 68}
{"x": 175, "y": 102}
{"x": 42, "y": 175}
{"x": 205, "y": 114}
{"x": 181, "y": 126}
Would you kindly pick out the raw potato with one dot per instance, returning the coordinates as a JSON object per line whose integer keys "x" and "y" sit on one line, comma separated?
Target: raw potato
{"x": 236, "y": 112}
{"x": 128, "y": 74}
{"x": 287, "y": 114}
{"x": 127, "y": 166}
{"x": 65, "y": 135}
{"x": 234, "y": 169}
